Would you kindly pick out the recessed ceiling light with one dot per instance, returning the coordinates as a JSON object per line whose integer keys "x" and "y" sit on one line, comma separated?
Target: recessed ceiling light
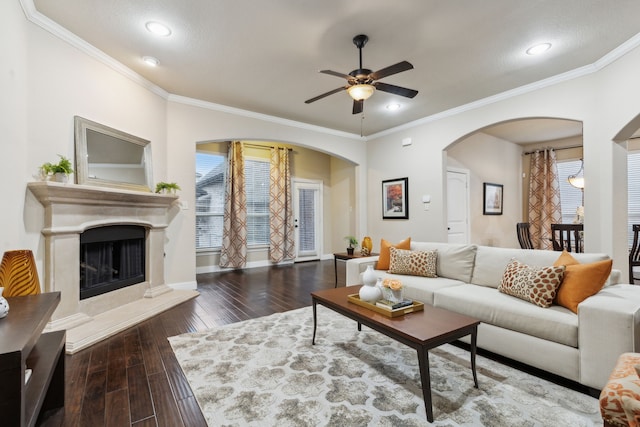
{"x": 538, "y": 49}
{"x": 150, "y": 60}
{"x": 158, "y": 29}
{"x": 393, "y": 107}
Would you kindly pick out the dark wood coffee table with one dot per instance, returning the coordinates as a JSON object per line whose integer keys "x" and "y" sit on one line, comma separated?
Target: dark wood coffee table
{"x": 422, "y": 330}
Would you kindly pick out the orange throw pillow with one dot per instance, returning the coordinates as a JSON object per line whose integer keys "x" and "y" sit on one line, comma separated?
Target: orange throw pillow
{"x": 385, "y": 256}
{"x": 580, "y": 280}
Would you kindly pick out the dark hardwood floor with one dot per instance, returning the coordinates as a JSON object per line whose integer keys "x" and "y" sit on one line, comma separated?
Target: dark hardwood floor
{"x": 133, "y": 378}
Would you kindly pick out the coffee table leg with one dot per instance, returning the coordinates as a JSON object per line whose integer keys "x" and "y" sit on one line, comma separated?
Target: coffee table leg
{"x": 315, "y": 323}
{"x": 423, "y": 361}
{"x": 474, "y": 336}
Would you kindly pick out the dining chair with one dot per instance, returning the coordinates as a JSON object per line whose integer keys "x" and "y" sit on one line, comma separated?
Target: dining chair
{"x": 567, "y": 236}
{"x": 634, "y": 255}
{"x": 524, "y": 236}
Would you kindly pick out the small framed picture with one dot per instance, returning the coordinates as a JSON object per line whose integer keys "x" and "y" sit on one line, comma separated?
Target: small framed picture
{"x": 492, "y": 197}
{"x": 395, "y": 198}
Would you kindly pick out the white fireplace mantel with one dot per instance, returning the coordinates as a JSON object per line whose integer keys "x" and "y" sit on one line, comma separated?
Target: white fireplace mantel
{"x": 71, "y": 209}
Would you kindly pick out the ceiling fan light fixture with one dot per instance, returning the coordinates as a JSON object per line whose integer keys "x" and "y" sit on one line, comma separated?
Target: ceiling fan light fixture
{"x": 361, "y": 92}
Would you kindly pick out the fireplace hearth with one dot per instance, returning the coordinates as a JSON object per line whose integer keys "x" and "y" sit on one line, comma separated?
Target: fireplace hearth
{"x": 122, "y": 236}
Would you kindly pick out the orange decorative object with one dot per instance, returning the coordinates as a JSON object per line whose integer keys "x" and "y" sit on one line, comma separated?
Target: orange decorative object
{"x": 367, "y": 243}
{"x": 18, "y": 273}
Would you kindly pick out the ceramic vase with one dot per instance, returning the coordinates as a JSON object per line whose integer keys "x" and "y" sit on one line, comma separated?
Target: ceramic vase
{"x": 369, "y": 291}
{"x": 4, "y": 305}
{"x": 367, "y": 243}
{"x": 369, "y": 276}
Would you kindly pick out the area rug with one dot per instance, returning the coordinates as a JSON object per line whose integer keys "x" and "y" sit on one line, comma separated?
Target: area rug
{"x": 265, "y": 372}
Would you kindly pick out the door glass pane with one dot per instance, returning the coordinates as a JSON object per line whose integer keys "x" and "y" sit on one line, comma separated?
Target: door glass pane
{"x": 307, "y": 220}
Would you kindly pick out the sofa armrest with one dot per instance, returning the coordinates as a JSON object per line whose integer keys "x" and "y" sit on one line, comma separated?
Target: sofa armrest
{"x": 609, "y": 325}
{"x": 356, "y": 266}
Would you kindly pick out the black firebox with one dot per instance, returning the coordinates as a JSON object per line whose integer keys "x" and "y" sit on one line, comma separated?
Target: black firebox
{"x": 111, "y": 258}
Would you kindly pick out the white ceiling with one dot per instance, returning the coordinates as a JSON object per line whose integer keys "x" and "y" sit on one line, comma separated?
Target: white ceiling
{"x": 264, "y": 56}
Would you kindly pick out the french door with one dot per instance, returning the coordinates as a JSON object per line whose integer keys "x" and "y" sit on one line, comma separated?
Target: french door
{"x": 307, "y": 205}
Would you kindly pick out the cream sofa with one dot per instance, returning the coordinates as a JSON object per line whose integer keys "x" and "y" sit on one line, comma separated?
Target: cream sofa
{"x": 581, "y": 347}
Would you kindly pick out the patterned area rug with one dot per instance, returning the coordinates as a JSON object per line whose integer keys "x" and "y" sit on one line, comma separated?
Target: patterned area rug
{"x": 265, "y": 372}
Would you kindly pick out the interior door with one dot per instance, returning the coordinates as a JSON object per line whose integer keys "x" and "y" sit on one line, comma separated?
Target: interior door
{"x": 457, "y": 205}
{"x": 307, "y": 205}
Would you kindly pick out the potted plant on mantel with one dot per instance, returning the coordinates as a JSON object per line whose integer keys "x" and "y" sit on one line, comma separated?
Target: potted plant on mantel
{"x": 353, "y": 243}
{"x": 59, "y": 171}
{"x": 167, "y": 187}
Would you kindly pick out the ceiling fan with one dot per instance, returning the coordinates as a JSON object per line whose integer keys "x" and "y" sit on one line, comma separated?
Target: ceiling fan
{"x": 362, "y": 82}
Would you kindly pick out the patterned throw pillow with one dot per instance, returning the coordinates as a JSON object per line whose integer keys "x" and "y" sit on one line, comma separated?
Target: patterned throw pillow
{"x": 414, "y": 263}
{"x": 534, "y": 284}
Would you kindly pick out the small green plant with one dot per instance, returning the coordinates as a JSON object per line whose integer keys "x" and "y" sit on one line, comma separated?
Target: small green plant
{"x": 167, "y": 186}
{"x": 63, "y": 166}
{"x": 353, "y": 242}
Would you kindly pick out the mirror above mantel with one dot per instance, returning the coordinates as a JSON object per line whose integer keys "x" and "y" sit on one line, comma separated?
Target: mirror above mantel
{"x": 111, "y": 158}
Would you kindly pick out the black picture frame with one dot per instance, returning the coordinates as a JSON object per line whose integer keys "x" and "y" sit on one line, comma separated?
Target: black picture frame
{"x": 395, "y": 198}
{"x": 492, "y": 198}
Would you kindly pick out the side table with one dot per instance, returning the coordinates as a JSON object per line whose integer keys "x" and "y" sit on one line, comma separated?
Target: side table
{"x": 343, "y": 256}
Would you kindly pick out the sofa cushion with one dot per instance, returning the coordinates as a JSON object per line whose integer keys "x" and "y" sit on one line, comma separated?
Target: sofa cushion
{"x": 414, "y": 263}
{"x": 537, "y": 285}
{"x": 420, "y": 288}
{"x": 491, "y": 262}
{"x": 580, "y": 280}
{"x": 488, "y": 305}
{"x": 455, "y": 261}
{"x": 383, "y": 258}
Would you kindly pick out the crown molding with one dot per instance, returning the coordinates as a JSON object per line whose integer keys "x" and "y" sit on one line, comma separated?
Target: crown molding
{"x": 47, "y": 24}
{"x": 264, "y": 117}
{"x": 598, "y": 65}
{"x": 62, "y": 33}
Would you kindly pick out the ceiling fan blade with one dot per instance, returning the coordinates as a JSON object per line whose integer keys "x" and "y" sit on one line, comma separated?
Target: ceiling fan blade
{"x": 337, "y": 74}
{"x": 358, "y": 106}
{"x": 390, "y": 70}
{"x": 396, "y": 90}
{"x": 331, "y": 92}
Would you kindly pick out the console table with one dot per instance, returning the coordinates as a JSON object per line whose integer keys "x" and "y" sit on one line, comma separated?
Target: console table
{"x": 23, "y": 346}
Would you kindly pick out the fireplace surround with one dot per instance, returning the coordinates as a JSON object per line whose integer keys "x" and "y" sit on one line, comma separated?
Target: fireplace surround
{"x": 69, "y": 211}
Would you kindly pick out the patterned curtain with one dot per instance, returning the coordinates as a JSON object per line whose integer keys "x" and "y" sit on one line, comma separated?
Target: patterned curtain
{"x": 544, "y": 197}
{"x": 234, "y": 229}
{"x": 282, "y": 245}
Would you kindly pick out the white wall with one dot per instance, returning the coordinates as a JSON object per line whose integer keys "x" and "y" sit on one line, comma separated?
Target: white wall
{"x": 490, "y": 159}
{"x": 603, "y": 101}
{"x": 46, "y": 82}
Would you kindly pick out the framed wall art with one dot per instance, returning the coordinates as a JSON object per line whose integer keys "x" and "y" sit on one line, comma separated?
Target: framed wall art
{"x": 395, "y": 198}
{"x": 492, "y": 199}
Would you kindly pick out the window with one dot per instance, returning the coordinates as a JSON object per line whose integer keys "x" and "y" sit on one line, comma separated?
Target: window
{"x": 570, "y": 196}
{"x": 210, "y": 189}
{"x": 210, "y": 179}
{"x": 257, "y": 188}
{"x": 633, "y": 189}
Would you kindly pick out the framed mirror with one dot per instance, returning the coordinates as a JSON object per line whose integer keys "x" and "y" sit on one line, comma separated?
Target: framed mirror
{"x": 111, "y": 158}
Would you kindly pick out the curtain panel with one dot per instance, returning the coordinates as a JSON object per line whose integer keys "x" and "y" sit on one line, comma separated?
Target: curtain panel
{"x": 234, "y": 232}
{"x": 281, "y": 226}
{"x": 544, "y": 197}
